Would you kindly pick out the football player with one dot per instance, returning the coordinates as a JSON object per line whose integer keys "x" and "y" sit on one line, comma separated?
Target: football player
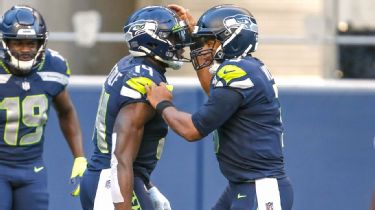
{"x": 242, "y": 110}
{"x": 32, "y": 78}
{"x": 126, "y": 125}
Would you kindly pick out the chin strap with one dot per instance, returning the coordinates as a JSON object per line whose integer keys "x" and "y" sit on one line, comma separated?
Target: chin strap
{"x": 21, "y": 65}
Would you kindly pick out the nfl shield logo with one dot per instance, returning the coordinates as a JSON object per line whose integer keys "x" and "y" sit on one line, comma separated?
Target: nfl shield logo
{"x": 269, "y": 206}
{"x": 108, "y": 184}
{"x": 26, "y": 85}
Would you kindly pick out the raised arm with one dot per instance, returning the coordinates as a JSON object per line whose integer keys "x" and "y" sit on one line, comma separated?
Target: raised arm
{"x": 203, "y": 74}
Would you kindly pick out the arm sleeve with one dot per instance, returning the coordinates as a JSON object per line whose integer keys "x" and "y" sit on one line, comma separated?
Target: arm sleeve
{"x": 221, "y": 105}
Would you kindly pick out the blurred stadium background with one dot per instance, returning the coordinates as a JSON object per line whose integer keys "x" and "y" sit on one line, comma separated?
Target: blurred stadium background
{"x": 297, "y": 37}
{"x": 312, "y": 48}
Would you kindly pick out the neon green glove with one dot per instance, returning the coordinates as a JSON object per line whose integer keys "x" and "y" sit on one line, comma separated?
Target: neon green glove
{"x": 79, "y": 167}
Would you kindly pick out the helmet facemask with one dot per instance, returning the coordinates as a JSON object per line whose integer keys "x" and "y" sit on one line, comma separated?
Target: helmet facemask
{"x": 23, "y": 60}
{"x": 202, "y": 56}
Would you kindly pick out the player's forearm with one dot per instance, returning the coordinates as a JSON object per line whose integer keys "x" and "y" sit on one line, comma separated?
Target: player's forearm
{"x": 181, "y": 123}
{"x": 69, "y": 125}
{"x": 125, "y": 180}
{"x": 205, "y": 77}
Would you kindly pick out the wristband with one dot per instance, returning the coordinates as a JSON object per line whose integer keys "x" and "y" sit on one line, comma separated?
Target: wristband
{"x": 162, "y": 105}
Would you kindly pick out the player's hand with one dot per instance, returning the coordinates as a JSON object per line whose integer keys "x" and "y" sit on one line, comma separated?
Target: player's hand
{"x": 79, "y": 167}
{"x": 159, "y": 201}
{"x": 183, "y": 14}
{"x": 157, "y": 94}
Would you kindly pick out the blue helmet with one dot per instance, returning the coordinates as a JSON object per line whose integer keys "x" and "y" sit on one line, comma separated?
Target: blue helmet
{"x": 157, "y": 32}
{"x": 23, "y": 22}
{"x": 234, "y": 27}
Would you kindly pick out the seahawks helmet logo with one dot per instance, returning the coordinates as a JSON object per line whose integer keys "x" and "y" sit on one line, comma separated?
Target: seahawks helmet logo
{"x": 140, "y": 27}
{"x": 233, "y": 22}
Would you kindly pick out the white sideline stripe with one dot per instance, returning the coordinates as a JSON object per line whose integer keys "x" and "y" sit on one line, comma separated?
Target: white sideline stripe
{"x": 80, "y": 80}
{"x": 296, "y": 82}
{"x": 344, "y": 39}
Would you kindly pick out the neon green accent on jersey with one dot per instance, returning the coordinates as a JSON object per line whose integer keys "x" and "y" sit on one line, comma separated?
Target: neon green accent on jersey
{"x": 41, "y": 64}
{"x": 160, "y": 148}
{"x": 68, "y": 72}
{"x": 135, "y": 202}
{"x": 216, "y": 141}
{"x": 100, "y": 126}
{"x": 176, "y": 27}
{"x": 139, "y": 83}
{"x": 4, "y": 67}
{"x": 229, "y": 72}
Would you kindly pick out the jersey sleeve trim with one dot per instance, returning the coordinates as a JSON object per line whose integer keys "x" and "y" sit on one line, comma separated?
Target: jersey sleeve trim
{"x": 54, "y": 77}
{"x": 242, "y": 84}
{"x": 4, "y": 78}
{"x": 128, "y": 92}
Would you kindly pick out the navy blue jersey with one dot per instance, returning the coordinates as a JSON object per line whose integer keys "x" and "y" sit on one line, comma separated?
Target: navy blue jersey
{"x": 24, "y": 107}
{"x": 244, "y": 111}
{"x": 125, "y": 85}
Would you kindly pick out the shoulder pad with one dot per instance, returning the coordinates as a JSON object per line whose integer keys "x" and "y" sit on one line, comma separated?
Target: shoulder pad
{"x": 232, "y": 76}
{"x": 57, "y": 62}
{"x": 55, "y": 68}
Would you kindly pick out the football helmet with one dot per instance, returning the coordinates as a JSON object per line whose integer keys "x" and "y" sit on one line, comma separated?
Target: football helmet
{"x": 158, "y": 32}
{"x": 23, "y": 23}
{"x": 233, "y": 27}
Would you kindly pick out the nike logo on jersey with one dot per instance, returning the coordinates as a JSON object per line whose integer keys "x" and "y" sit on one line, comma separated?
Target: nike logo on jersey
{"x": 239, "y": 196}
{"x": 228, "y": 71}
{"x": 38, "y": 169}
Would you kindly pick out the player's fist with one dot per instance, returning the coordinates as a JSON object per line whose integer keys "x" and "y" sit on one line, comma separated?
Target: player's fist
{"x": 79, "y": 167}
{"x": 159, "y": 201}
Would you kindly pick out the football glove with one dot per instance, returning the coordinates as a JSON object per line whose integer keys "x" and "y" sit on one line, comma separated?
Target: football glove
{"x": 79, "y": 167}
{"x": 159, "y": 201}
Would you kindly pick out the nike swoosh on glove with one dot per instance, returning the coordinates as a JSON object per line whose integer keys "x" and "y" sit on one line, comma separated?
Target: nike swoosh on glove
{"x": 79, "y": 167}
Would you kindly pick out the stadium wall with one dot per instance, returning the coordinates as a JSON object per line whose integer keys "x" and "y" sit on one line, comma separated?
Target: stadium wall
{"x": 329, "y": 147}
